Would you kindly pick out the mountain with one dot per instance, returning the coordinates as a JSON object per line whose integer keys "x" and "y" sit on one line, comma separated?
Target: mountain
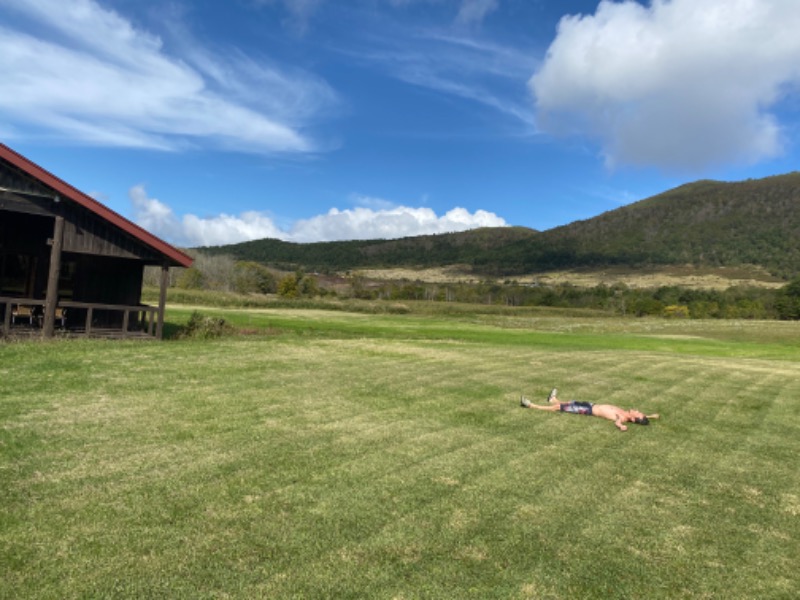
{"x": 705, "y": 223}
{"x": 467, "y": 247}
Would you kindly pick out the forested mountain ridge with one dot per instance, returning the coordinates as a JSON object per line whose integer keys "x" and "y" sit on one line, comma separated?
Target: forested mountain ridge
{"x": 705, "y": 223}
{"x": 465, "y": 247}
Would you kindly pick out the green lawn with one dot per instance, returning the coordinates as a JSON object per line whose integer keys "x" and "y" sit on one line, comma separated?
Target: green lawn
{"x": 330, "y": 454}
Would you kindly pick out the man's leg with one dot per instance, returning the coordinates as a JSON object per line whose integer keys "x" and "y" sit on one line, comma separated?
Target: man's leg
{"x": 525, "y": 403}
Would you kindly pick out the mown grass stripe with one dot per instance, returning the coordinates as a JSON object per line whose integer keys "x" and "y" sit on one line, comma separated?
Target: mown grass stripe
{"x": 326, "y": 464}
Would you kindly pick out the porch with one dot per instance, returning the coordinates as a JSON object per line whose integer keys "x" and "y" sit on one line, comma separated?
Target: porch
{"x": 68, "y": 263}
{"x": 24, "y": 317}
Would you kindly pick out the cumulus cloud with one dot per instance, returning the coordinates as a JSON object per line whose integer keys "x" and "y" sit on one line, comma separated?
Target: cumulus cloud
{"x": 351, "y": 224}
{"x": 401, "y": 221}
{"x": 678, "y": 84}
{"x": 191, "y": 230}
{"x": 101, "y": 80}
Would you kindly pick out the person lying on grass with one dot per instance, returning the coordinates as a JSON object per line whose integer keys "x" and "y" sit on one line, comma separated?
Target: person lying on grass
{"x": 604, "y": 411}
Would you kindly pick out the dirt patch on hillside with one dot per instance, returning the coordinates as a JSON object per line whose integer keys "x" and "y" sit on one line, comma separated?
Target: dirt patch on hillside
{"x": 685, "y": 276}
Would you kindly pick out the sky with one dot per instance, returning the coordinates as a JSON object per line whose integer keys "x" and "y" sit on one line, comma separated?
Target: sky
{"x": 211, "y": 122}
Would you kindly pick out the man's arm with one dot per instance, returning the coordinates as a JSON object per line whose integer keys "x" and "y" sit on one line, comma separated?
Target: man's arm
{"x": 619, "y": 423}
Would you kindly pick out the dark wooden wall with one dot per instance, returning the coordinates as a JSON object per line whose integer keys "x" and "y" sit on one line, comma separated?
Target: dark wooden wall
{"x": 101, "y": 263}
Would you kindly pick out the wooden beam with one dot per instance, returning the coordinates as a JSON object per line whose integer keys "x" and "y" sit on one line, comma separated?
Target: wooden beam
{"x": 51, "y": 300}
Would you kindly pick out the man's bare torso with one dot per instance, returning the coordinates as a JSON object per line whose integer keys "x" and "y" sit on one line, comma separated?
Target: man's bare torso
{"x": 610, "y": 412}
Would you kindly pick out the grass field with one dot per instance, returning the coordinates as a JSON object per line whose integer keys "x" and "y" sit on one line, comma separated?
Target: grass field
{"x": 330, "y": 454}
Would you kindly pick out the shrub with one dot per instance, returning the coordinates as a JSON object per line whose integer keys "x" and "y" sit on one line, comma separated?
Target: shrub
{"x": 200, "y": 326}
{"x": 191, "y": 279}
{"x": 297, "y": 285}
{"x": 676, "y": 311}
{"x": 250, "y": 277}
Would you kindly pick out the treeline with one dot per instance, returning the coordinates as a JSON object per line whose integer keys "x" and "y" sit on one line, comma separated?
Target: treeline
{"x": 224, "y": 273}
{"x": 667, "y": 301}
{"x": 467, "y": 248}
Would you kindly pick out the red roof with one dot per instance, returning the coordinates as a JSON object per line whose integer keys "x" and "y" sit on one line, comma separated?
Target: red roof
{"x": 67, "y": 191}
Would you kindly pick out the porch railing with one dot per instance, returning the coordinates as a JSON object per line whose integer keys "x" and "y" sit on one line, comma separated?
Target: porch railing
{"x": 145, "y": 315}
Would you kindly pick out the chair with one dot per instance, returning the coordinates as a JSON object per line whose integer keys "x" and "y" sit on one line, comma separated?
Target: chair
{"x": 61, "y": 315}
{"x": 22, "y": 311}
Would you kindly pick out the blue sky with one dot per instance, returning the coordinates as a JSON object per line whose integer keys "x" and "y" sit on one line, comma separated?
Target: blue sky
{"x": 211, "y": 122}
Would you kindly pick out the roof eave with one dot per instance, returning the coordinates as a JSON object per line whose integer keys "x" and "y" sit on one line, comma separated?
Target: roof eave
{"x": 176, "y": 258}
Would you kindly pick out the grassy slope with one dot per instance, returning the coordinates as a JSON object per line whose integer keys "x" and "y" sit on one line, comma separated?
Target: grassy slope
{"x": 353, "y": 455}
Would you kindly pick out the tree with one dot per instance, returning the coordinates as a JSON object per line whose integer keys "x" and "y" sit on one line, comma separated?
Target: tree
{"x": 252, "y": 278}
{"x": 191, "y": 279}
{"x": 787, "y": 302}
{"x": 298, "y": 284}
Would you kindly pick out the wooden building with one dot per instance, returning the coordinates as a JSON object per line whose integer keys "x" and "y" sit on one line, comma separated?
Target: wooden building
{"x": 69, "y": 262}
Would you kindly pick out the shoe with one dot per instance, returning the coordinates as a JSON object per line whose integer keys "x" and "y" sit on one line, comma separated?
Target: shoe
{"x": 523, "y": 401}
{"x": 553, "y": 394}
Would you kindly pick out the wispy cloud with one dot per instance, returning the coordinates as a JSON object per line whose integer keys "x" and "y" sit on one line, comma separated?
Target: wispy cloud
{"x": 119, "y": 86}
{"x": 677, "y": 84}
{"x": 475, "y": 11}
{"x": 300, "y": 12}
{"x": 445, "y": 52}
{"x": 381, "y": 220}
{"x": 453, "y": 63}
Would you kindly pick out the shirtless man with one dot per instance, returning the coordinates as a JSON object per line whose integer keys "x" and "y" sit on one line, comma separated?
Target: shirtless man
{"x": 604, "y": 411}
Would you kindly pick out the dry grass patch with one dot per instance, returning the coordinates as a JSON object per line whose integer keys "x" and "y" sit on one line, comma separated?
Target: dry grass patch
{"x": 719, "y": 278}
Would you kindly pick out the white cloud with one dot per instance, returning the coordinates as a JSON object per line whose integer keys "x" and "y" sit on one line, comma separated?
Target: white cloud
{"x": 475, "y": 11}
{"x": 300, "y": 12}
{"x": 402, "y": 221}
{"x": 191, "y": 230}
{"x": 119, "y": 86}
{"x": 350, "y": 224}
{"x": 486, "y": 73}
{"x": 678, "y": 84}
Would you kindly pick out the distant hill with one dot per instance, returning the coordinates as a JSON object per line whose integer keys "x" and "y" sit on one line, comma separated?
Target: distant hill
{"x": 467, "y": 247}
{"x": 706, "y": 223}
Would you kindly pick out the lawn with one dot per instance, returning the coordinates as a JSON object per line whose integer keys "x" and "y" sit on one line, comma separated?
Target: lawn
{"x": 331, "y": 454}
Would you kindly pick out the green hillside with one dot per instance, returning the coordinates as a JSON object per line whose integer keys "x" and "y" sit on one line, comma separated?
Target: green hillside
{"x": 706, "y": 223}
{"x": 467, "y": 247}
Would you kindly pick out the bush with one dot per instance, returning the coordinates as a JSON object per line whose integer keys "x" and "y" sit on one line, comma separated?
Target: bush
{"x": 676, "y": 311}
{"x": 191, "y": 279}
{"x": 253, "y": 278}
{"x": 298, "y": 285}
{"x": 203, "y": 327}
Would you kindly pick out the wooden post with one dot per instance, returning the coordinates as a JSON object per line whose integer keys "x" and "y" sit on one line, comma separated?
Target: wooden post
{"x": 162, "y": 301}
{"x": 51, "y": 301}
{"x": 7, "y": 319}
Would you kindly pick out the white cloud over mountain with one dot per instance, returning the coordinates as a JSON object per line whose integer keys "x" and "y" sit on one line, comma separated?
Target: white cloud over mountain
{"x": 361, "y": 222}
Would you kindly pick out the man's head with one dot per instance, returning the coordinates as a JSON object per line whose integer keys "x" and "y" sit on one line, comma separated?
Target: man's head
{"x": 639, "y": 418}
